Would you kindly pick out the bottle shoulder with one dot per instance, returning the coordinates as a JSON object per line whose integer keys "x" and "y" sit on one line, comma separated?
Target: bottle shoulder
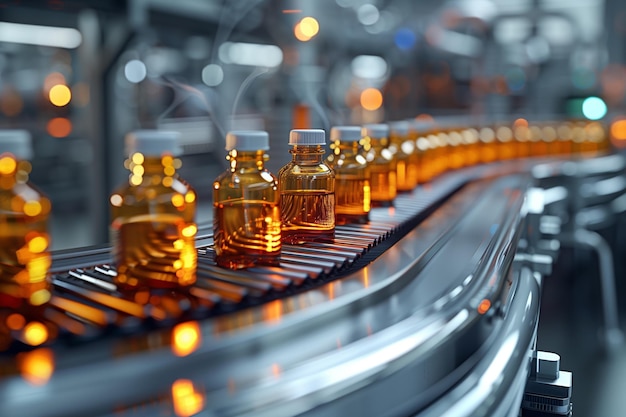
{"x": 151, "y": 188}
{"x": 24, "y": 198}
{"x": 246, "y": 176}
{"x": 294, "y": 169}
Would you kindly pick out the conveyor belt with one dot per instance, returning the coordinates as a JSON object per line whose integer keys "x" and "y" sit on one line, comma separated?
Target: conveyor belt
{"x": 405, "y": 292}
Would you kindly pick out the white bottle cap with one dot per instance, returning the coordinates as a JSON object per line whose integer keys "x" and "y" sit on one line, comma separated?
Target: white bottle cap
{"x": 153, "y": 142}
{"x": 307, "y": 137}
{"x": 345, "y": 133}
{"x": 16, "y": 142}
{"x": 248, "y": 140}
{"x": 401, "y": 127}
{"x": 376, "y": 131}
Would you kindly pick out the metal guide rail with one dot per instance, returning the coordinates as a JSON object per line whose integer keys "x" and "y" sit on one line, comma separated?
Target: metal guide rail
{"x": 433, "y": 271}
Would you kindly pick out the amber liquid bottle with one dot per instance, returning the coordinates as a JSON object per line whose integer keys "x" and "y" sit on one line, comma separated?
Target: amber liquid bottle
{"x": 24, "y": 238}
{"x": 246, "y": 211}
{"x": 153, "y": 229}
{"x": 381, "y": 164}
{"x": 307, "y": 190}
{"x": 405, "y": 155}
{"x": 352, "y": 184}
{"x": 488, "y": 145}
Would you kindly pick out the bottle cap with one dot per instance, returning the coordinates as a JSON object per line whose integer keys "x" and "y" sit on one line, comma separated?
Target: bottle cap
{"x": 16, "y": 142}
{"x": 307, "y": 137}
{"x": 400, "y": 127}
{"x": 376, "y": 131}
{"x": 153, "y": 142}
{"x": 248, "y": 140}
{"x": 345, "y": 133}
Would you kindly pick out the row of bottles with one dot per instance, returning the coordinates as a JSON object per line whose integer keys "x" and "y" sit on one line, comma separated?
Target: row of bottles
{"x": 153, "y": 230}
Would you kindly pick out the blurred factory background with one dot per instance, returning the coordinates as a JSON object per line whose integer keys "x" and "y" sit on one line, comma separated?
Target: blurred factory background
{"x": 81, "y": 74}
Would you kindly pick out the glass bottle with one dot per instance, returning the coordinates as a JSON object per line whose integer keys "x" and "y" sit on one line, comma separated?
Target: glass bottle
{"x": 24, "y": 238}
{"x": 307, "y": 190}
{"x": 488, "y": 145}
{"x": 352, "y": 184}
{"x": 381, "y": 164}
{"x": 405, "y": 155}
{"x": 153, "y": 229}
{"x": 246, "y": 211}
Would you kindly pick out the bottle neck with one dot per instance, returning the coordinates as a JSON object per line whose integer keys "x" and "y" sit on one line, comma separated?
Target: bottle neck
{"x": 141, "y": 166}
{"x": 246, "y": 159}
{"x": 351, "y": 147}
{"x": 307, "y": 154}
{"x": 379, "y": 143}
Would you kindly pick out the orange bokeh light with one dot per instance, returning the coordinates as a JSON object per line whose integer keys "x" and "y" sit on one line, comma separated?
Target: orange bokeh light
{"x": 618, "y": 129}
{"x": 59, "y": 127}
{"x": 37, "y": 366}
{"x": 186, "y": 338}
{"x": 15, "y": 321}
{"x": 371, "y": 99}
{"x": 187, "y": 400}
{"x": 520, "y": 123}
{"x": 484, "y": 306}
{"x": 299, "y": 34}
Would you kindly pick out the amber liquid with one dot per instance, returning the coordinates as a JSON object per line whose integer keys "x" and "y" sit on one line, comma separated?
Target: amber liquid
{"x": 246, "y": 233}
{"x": 155, "y": 251}
{"x": 406, "y": 172}
{"x": 153, "y": 230}
{"x": 383, "y": 185}
{"x": 24, "y": 256}
{"x": 506, "y": 150}
{"x": 353, "y": 199}
{"x": 307, "y": 216}
{"x": 488, "y": 152}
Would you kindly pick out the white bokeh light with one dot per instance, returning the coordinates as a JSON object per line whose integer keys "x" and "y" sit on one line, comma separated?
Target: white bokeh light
{"x": 135, "y": 71}
{"x": 212, "y": 75}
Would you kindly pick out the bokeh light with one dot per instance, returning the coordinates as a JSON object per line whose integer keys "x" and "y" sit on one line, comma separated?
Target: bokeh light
{"x": 371, "y": 99}
{"x": 306, "y": 29}
{"x": 594, "y": 108}
{"x": 618, "y": 133}
{"x": 135, "y": 71}
{"x": 187, "y": 400}
{"x": 37, "y": 366}
{"x": 59, "y": 127}
{"x": 404, "y": 39}
{"x": 186, "y": 338}
{"x": 35, "y": 333}
{"x": 309, "y": 26}
{"x": 212, "y": 75}
{"x": 60, "y": 95}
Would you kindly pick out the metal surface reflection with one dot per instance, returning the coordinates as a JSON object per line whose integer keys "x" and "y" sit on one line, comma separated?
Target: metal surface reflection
{"x": 187, "y": 399}
{"x": 186, "y": 338}
{"x": 36, "y": 366}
